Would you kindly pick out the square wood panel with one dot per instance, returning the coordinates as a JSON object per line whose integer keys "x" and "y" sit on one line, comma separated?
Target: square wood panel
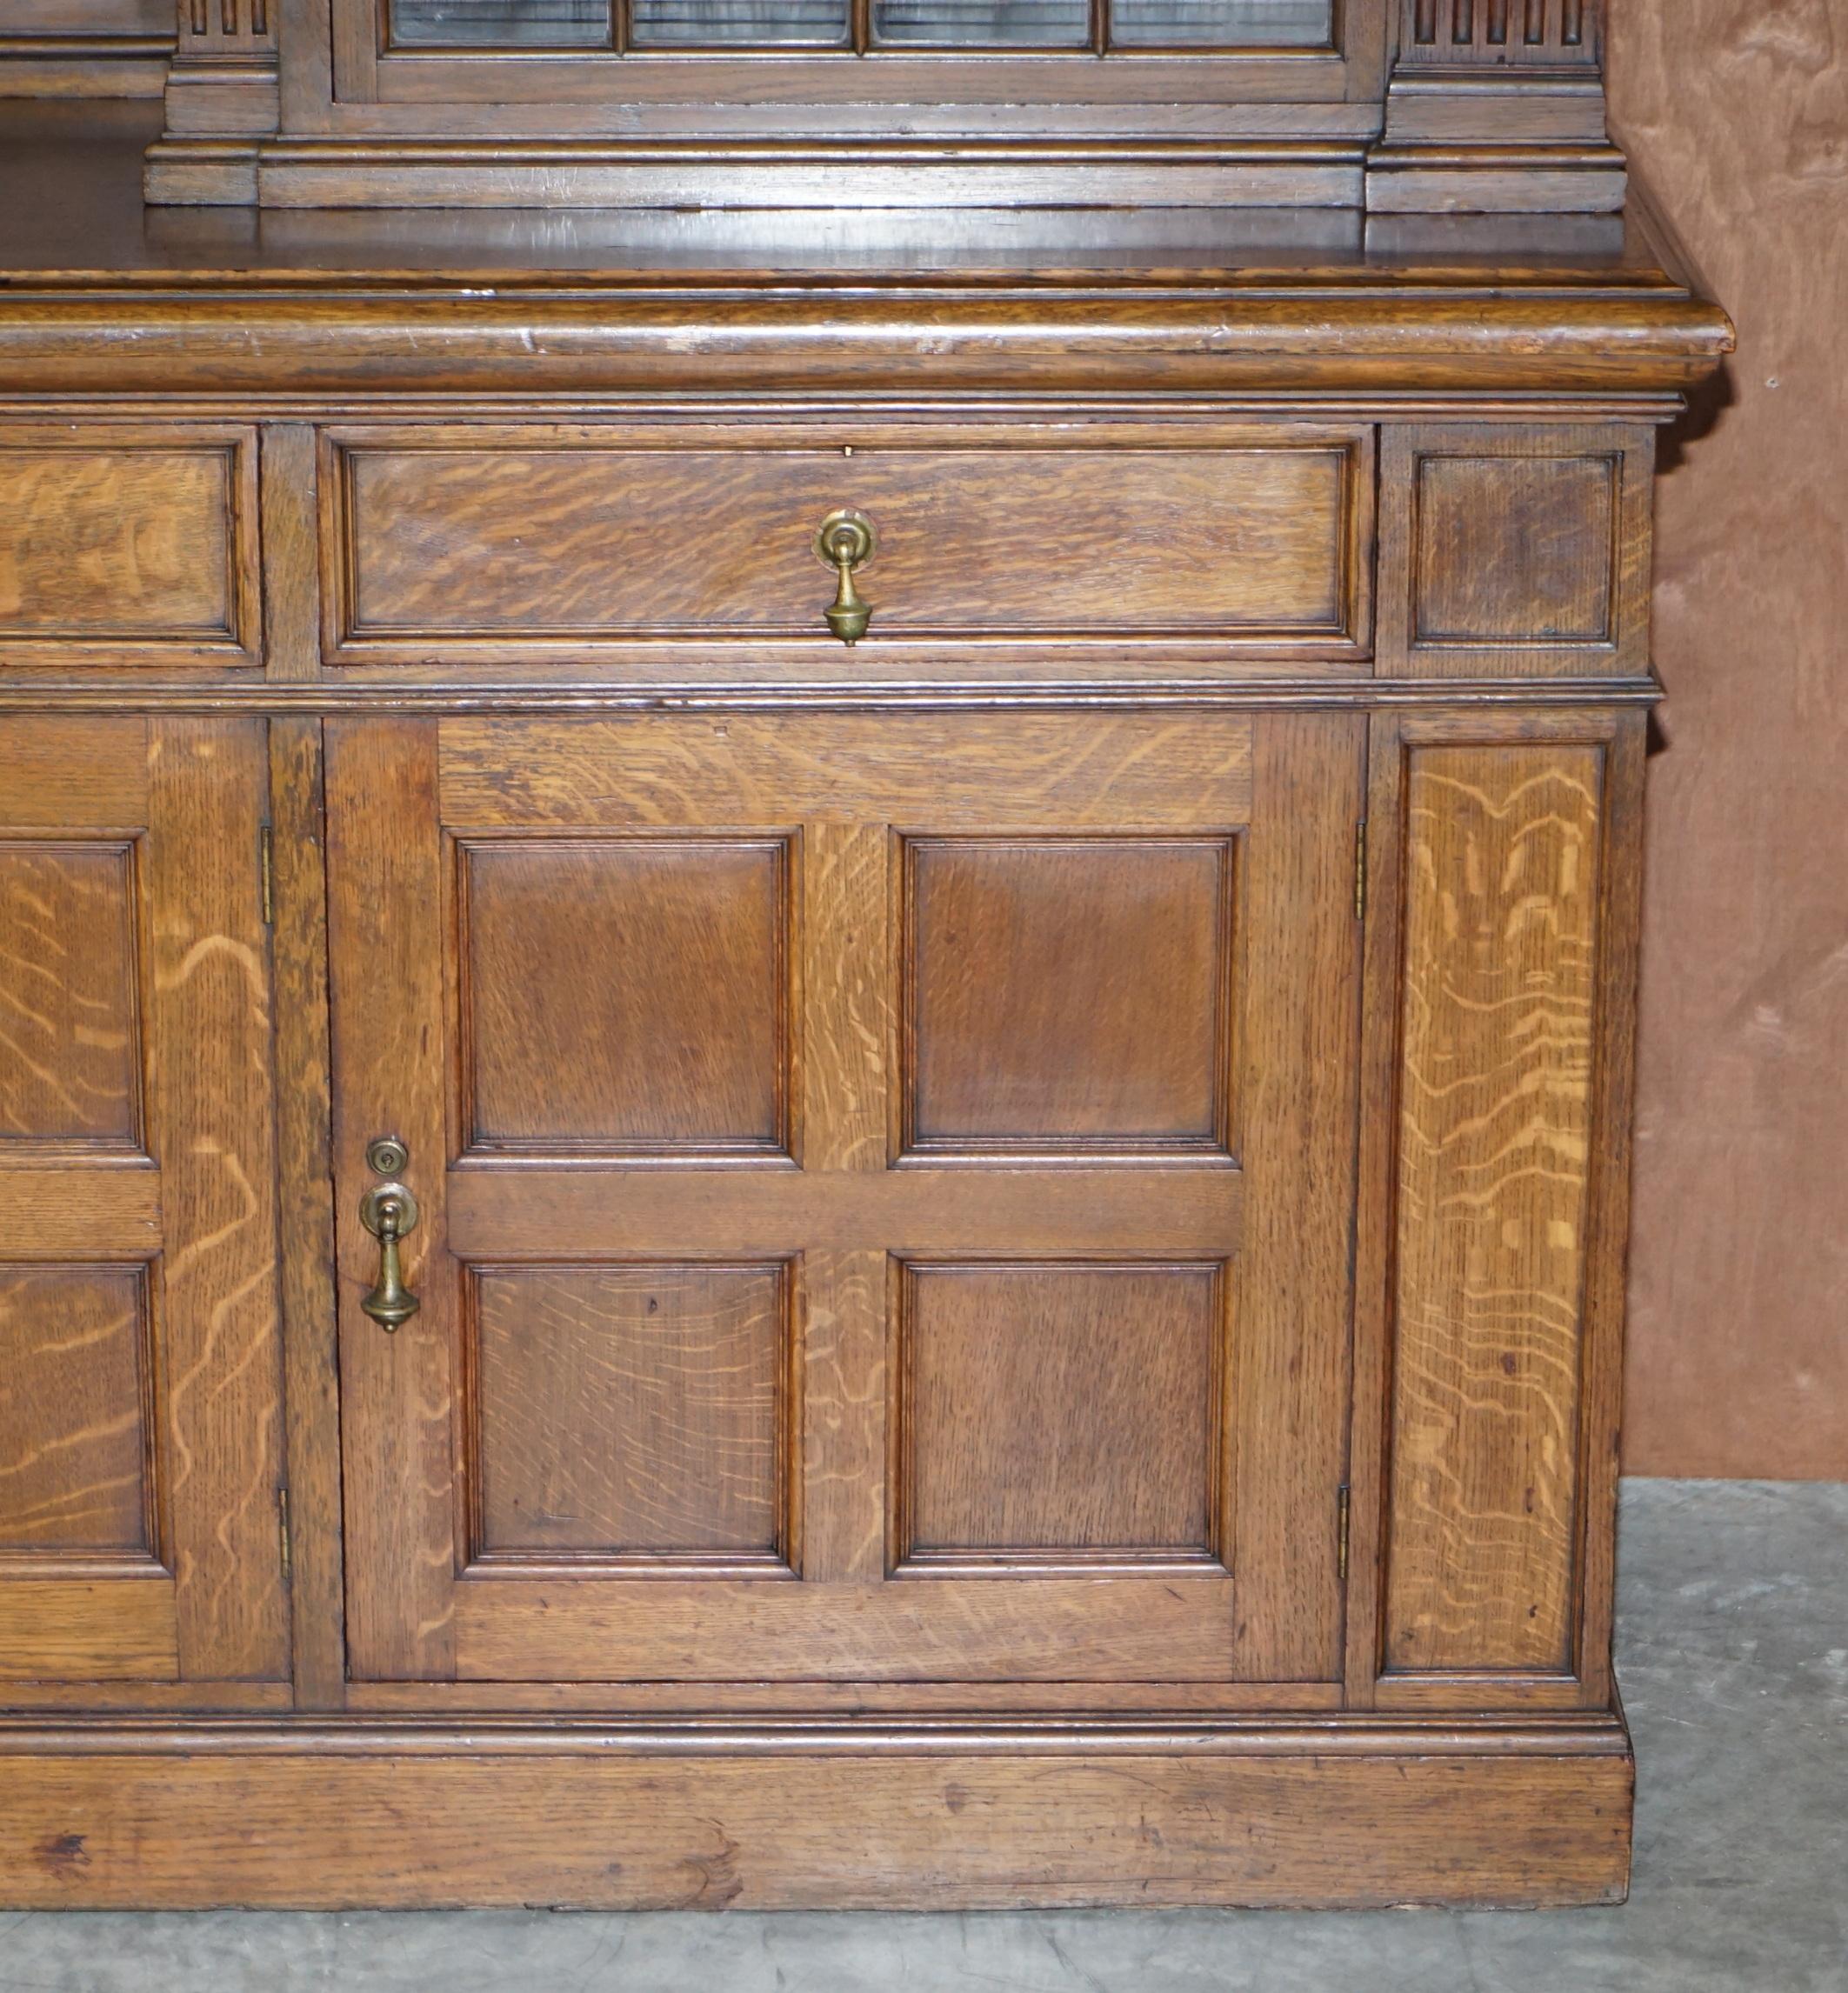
{"x": 625, "y": 995}
{"x": 1067, "y": 997}
{"x": 75, "y": 1472}
{"x": 1060, "y": 1414}
{"x": 69, "y": 1031}
{"x": 631, "y": 1411}
{"x": 125, "y": 544}
{"x": 1515, "y": 550}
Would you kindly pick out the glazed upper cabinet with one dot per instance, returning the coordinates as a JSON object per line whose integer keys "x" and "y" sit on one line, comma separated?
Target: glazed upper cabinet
{"x": 883, "y": 1186}
{"x": 141, "y": 1462}
{"x": 609, "y": 25}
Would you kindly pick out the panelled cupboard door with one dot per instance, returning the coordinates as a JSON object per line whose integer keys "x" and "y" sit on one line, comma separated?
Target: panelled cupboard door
{"x": 140, "y": 1394}
{"x": 884, "y": 1188}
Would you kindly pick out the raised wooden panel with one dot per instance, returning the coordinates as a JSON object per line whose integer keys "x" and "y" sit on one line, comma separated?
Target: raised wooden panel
{"x": 1059, "y": 1415}
{"x": 631, "y": 1411}
{"x": 69, "y": 1012}
{"x": 75, "y": 1390}
{"x": 1515, "y": 550}
{"x": 625, "y": 995}
{"x": 128, "y": 545}
{"x": 1502, "y": 879}
{"x": 530, "y": 538}
{"x": 1067, "y": 996}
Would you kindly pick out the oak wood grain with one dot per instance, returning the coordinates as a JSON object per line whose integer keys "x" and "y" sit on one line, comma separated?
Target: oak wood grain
{"x": 1064, "y": 771}
{"x": 1512, "y": 550}
{"x": 76, "y": 1388}
{"x": 67, "y": 770}
{"x": 70, "y": 1036}
{"x": 455, "y": 543}
{"x": 114, "y": 1627}
{"x": 1022, "y": 1033}
{"x": 787, "y": 1832}
{"x": 386, "y": 962}
{"x": 510, "y": 1214}
{"x": 1060, "y": 1413}
{"x": 622, "y": 1409}
{"x": 1502, "y": 886}
{"x": 1291, "y": 1287}
{"x": 132, "y": 541}
{"x": 922, "y": 1627}
{"x": 847, "y": 997}
{"x": 305, "y": 1215}
{"x": 625, "y": 995}
{"x": 210, "y": 1025}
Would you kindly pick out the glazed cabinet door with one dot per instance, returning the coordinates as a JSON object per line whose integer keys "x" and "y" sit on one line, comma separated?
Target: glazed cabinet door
{"x": 883, "y": 1193}
{"x": 140, "y": 1397}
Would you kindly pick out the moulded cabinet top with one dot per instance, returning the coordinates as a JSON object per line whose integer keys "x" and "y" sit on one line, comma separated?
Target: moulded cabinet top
{"x": 230, "y": 299}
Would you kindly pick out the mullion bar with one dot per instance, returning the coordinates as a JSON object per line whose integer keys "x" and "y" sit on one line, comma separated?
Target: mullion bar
{"x": 861, "y": 24}
{"x": 619, "y": 25}
{"x": 1099, "y": 26}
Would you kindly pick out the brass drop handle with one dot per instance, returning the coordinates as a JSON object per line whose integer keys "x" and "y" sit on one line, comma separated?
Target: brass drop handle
{"x": 389, "y": 1211}
{"x": 845, "y": 541}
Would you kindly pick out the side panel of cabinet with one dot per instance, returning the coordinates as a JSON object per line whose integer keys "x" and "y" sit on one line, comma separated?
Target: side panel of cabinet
{"x": 1502, "y": 963}
{"x": 140, "y": 1398}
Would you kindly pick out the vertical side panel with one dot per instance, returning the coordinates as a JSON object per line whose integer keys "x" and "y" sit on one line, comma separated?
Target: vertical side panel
{"x": 1288, "y": 1379}
{"x": 213, "y": 1084}
{"x": 1502, "y": 877}
{"x": 299, "y": 945}
{"x": 1613, "y": 1108}
{"x": 386, "y": 951}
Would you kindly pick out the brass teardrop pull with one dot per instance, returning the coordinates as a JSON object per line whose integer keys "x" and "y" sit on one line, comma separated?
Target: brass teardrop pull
{"x": 846, "y": 542}
{"x": 389, "y": 1211}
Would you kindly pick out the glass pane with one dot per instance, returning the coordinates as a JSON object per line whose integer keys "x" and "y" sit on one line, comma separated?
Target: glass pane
{"x": 984, "y": 23}
{"x": 719, "y": 24}
{"x": 1221, "y": 23}
{"x": 501, "y": 23}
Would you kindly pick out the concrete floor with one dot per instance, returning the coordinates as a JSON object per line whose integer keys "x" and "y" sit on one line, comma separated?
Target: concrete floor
{"x": 1733, "y": 1645}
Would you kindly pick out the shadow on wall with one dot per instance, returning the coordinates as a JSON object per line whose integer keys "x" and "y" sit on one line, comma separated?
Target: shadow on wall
{"x": 1736, "y": 117}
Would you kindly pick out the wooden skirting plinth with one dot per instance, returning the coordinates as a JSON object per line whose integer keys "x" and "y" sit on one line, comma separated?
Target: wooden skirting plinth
{"x": 1346, "y": 1813}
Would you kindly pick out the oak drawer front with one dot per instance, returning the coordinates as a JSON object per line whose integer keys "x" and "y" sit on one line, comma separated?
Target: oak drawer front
{"x": 129, "y": 544}
{"x": 530, "y": 540}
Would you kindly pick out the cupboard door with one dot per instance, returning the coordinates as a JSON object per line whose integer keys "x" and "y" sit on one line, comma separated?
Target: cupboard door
{"x": 140, "y": 1397}
{"x": 882, "y": 1188}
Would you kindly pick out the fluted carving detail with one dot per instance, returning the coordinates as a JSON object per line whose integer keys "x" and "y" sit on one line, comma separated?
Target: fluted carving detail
{"x": 210, "y": 28}
{"x": 1491, "y": 33}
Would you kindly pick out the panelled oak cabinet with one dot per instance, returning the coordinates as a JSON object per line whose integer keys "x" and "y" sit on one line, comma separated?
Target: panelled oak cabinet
{"x": 813, "y": 1087}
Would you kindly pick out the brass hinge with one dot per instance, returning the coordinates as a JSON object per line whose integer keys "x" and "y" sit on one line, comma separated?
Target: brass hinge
{"x": 1360, "y": 869}
{"x": 265, "y": 872}
{"x": 282, "y": 1532}
{"x": 1342, "y": 1507}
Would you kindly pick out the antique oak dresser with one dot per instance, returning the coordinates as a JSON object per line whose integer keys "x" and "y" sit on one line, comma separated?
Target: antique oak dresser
{"x": 819, "y": 848}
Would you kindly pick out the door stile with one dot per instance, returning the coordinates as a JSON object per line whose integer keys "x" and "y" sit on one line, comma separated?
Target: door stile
{"x": 386, "y": 947}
